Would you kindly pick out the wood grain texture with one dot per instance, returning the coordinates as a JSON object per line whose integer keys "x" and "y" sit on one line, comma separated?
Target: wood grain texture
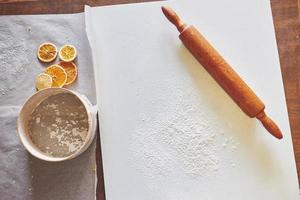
{"x": 16, "y": 7}
{"x": 286, "y": 22}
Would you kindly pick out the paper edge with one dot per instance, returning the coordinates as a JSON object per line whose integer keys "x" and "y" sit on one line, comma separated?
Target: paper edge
{"x": 87, "y": 19}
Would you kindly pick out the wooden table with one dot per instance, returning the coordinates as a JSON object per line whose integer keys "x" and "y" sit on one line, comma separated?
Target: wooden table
{"x": 286, "y": 21}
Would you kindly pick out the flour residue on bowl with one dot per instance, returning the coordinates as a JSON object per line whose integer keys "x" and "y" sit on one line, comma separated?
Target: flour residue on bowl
{"x": 58, "y": 126}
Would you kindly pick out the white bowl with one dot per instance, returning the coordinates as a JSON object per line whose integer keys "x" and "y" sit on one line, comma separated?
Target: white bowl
{"x": 32, "y": 102}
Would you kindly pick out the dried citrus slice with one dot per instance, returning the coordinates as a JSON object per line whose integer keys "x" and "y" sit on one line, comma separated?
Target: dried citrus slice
{"x": 43, "y": 81}
{"x": 67, "y": 53}
{"x": 71, "y": 70}
{"x": 58, "y": 74}
{"x": 47, "y": 52}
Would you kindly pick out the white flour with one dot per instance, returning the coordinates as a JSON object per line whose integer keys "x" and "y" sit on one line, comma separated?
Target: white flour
{"x": 180, "y": 140}
{"x": 14, "y": 59}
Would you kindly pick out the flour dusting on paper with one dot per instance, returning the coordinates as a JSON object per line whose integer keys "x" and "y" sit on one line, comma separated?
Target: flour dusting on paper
{"x": 181, "y": 138}
{"x": 12, "y": 53}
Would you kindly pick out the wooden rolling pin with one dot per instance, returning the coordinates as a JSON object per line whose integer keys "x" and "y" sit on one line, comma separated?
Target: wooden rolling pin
{"x": 221, "y": 71}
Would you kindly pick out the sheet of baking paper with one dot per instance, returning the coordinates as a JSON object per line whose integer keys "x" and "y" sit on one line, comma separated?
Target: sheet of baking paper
{"x": 23, "y": 177}
{"x": 168, "y": 131}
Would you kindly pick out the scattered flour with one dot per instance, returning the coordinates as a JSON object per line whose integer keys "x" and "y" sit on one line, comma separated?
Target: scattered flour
{"x": 185, "y": 141}
{"x": 180, "y": 140}
{"x": 14, "y": 60}
{"x": 37, "y": 120}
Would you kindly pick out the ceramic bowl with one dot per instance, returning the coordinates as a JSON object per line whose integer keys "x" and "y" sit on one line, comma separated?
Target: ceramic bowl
{"x": 32, "y": 102}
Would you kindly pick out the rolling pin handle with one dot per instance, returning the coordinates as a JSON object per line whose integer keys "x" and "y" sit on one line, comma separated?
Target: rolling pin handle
{"x": 173, "y": 18}
{"x": 269, "y": 124}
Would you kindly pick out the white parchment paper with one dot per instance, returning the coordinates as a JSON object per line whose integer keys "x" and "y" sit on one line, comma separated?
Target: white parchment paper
{"x": 23, "y": 177}
{"x": 168, "y": 130}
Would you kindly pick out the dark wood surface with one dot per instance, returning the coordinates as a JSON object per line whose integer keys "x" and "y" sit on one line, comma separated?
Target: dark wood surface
{"x": 286, "y": 21}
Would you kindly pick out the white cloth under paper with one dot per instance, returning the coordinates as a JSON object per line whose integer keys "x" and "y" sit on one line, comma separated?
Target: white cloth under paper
{"x": 147, "y": 82}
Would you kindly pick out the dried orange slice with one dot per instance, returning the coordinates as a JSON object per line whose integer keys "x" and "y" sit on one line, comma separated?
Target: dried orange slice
{"x": 67, "y": 53}
{"x": 58, "y": 74}
{"x": 47, "y": 52}
{"x": 43, "y": 81}
{"x": 71, "y": 70}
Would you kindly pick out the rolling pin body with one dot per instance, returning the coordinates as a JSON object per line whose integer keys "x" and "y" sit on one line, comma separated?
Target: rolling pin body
{"x": 221, "y": 71}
